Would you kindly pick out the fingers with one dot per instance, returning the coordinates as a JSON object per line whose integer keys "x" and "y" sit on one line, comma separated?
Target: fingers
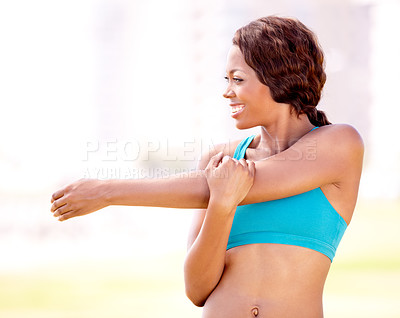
{"x": 56, "y": 195}
{"x": 68, "y": 215}
{"x": 220, "y": 160}
{"x": 214, "y": 161}
{"x": 58, "y": 203}
{"x": 62, "y": 210}
{"x": 243, "y": 162}
{"x": 226, "y": 158}
{"x": 252, "y": 167}
{"x": 249, "y": 165}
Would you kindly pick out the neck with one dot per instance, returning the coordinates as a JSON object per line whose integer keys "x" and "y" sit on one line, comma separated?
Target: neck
{"x": 280, "y": 135}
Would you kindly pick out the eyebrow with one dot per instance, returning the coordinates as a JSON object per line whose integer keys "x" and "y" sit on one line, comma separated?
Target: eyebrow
{"x": 235, "y": 70}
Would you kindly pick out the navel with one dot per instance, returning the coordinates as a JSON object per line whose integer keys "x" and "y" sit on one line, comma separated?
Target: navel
{"x": 254, "y": 311}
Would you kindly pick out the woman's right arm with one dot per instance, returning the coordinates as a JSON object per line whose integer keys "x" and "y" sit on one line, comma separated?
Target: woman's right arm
{"x": 229, "y": 182}
{"x": 205, "y": 261}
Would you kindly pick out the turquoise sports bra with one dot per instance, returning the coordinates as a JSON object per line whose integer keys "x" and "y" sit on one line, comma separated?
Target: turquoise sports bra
{"x": 306, "y": 219}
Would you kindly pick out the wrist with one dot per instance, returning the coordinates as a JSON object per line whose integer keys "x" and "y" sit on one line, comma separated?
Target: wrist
{"x": 222, "y": 204}
{"x": 106, "y": 190}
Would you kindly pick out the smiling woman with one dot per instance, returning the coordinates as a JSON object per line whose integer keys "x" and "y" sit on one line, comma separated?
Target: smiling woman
{"x": 272, "y": 207}
{"x": 247, "y": 94}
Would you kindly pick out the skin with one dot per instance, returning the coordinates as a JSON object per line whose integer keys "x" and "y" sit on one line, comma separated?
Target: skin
{"x": 257, "y": 280}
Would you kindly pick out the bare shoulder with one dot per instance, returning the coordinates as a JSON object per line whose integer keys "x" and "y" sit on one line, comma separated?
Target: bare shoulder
{"x": 228, "y": 149}
{"x": 340, "y": 139}
{"x": 344, "y": 132}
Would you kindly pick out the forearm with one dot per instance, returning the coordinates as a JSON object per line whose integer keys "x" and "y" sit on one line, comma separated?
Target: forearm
{"x": 205, "y": 261}
{"x": 189, "y": 190}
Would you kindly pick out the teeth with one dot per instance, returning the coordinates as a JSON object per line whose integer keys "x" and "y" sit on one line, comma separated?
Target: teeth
{"x": 235, "y": 109}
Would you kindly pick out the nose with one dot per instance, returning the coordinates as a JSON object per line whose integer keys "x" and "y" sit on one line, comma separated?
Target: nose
{"x": 229, "y": 93}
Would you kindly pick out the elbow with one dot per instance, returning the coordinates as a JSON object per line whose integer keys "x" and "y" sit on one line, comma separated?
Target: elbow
{"x": 194, "y": 288}
{"x": 194, "y": 296}
{"x": 199, "y": 283}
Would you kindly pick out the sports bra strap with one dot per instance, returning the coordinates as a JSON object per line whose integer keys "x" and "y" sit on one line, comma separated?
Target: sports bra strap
{"x": 240, "y": 151}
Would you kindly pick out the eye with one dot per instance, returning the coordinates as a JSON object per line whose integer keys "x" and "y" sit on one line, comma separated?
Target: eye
{"x": 235, "y": 79}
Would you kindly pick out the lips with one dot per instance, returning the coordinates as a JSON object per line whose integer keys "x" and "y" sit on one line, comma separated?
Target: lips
{"x": 236, "y": 109}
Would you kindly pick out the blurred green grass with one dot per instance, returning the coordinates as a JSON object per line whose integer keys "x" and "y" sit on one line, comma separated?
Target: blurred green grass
{"x": 363, "y": 282}
{"x": 365, "y": 276}
{"x": 122, "y": 288}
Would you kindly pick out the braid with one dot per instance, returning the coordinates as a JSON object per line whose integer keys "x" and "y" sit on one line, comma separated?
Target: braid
{"x": 316, "y": 117}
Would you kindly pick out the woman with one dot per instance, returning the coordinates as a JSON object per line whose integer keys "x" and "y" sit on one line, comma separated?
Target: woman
{"x": 273, "y": 211}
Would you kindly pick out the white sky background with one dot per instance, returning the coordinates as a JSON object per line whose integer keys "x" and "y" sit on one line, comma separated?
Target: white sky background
{"x": 385, "y": 111}
{"x": 66, "y": 68}
{"x": 47, "y": 87}
{"x": 79, "y": 72}
{"x": 74, "y": 72}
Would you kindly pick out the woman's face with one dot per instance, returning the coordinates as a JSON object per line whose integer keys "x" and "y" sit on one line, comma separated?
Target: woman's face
{"x": 250, "y": 100}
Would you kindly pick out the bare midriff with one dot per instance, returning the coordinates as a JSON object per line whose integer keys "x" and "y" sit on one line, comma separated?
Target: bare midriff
{"x": 269, "y": 281}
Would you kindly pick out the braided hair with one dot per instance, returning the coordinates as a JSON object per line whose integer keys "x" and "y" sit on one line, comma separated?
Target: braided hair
{"x": 287, "y": 58}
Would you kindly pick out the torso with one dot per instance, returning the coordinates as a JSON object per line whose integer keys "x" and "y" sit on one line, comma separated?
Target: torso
{"x": 276, "y": 280}
{"x": 269, "y": 280}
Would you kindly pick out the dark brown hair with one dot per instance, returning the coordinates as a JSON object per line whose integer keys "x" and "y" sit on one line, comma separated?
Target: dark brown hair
{"x": 287, "y": 58}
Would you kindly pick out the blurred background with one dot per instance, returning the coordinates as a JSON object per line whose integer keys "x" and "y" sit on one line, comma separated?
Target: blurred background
{"x": 129, "y": 89}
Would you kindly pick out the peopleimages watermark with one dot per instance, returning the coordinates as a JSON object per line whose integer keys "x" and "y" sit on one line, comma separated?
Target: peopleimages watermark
{"x": 191, "y": 151}
{"x": 114, "y": 159}
{"x": 103, "y": 173}
{"x": 132, "y": 150}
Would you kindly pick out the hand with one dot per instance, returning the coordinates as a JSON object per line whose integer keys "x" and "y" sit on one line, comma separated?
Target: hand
{"x": 229, "y": 180}
{"x": 79, "y": 198}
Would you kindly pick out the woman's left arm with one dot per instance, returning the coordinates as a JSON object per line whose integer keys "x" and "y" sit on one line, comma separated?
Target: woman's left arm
{"x": 327, "y": 155}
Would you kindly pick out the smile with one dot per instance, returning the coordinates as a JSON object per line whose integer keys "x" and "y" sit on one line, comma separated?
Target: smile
{"x": 236, "y": 109}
